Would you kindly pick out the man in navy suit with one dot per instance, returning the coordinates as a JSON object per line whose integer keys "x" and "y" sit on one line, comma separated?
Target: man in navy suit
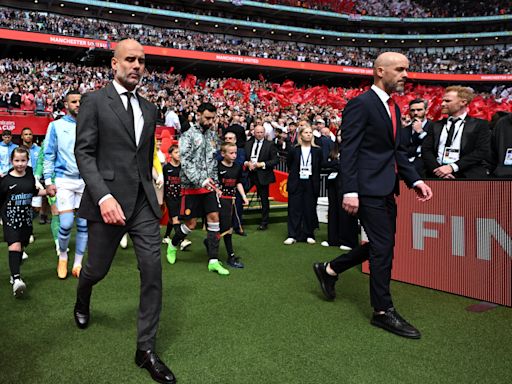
{"x": 457, "y": 147}
{"x": 371, "y": 157}
{"x": 416, "y": 132}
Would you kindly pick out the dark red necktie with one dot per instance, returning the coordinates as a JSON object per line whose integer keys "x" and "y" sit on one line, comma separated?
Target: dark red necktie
{"x": 392, "y": 111}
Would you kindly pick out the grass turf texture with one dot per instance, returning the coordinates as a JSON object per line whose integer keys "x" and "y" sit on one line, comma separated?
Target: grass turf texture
{"x": 267, "y": 323}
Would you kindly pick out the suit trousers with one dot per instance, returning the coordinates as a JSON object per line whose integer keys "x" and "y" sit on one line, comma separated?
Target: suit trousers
{"x": 342, "y": 228}
{"x": 144, "y": 229}
{"x": 263, "y": 193}
{"x": 302, "y": 211}
{"x": 378, "y": 217}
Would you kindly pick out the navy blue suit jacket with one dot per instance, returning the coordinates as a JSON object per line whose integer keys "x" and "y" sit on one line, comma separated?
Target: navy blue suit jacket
{"x": 368, "y": 151}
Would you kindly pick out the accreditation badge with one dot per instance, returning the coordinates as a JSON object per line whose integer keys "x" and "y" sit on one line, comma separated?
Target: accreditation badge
{"x": 508, "y": 157}
{"x": 305, "y": 172}
{"x": 451, "y": 155}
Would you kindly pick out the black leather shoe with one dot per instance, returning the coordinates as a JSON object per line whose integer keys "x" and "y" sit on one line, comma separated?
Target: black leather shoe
{"x": 391, "y": 321}
{"x": 156, "y": 367}
{"x": 327, "y": 282}
{"x": 235, "y": 262}
{"x": 263, "y": 227}
{"x": 81, "y": 318}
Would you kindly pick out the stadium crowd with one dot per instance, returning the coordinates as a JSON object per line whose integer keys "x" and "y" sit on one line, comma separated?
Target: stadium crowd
{"x": 41, "y": 86}
{"x": 470, "y": 60}
{"x": 395, "y": 8}
{"x": 408, "y": 8}
{"x": 37, "y": 85}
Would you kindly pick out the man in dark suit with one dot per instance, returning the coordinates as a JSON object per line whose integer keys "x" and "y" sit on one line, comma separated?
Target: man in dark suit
{"x": 501, "y": 147}
{"x": 371, "y": 155}
{"x": 262, "y": 158}
{"x": 114, "y": 151}
{"x": 457, "y": 147}
{"x": 415, "y": 133}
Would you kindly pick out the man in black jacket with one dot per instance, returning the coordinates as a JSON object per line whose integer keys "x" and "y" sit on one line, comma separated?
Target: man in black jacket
{"x": 261, "y": 160}
{"x": 457, "y": 147}
{"x": 501, "y": 147}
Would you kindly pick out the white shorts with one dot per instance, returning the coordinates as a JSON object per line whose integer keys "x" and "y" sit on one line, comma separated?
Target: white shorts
{"x": 69, "y": 193}
{"x": 37, "y": 201}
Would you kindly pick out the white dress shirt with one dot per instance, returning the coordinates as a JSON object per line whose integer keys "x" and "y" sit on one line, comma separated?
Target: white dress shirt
{"x": 384, "y": 97}
{"x": 138, "y": 122}
{"x": 456, "y": 140}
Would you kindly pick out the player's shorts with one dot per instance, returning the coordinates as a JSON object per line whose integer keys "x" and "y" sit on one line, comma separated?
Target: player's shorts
{"x": 198, "y": 205}
{"x": 173, "y": 206}
{"x": 69, "y": 193}
{"x": 226, "y": 215}
{"x": 37, "y": 201}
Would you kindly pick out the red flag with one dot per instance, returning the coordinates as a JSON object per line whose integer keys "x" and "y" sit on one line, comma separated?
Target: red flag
{"x": 189, "y": 82}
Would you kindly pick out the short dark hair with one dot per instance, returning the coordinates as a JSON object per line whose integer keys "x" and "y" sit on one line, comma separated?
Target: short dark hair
{"x": 20, "y": 149}
{"x": 6, "y": 133}
{"x": 172, "y": 148}
{"x": 206, "y": 107}
{"x": 73, "y": 92}
{"x": 419, "y": 101}
{"x": 24, "y": 129}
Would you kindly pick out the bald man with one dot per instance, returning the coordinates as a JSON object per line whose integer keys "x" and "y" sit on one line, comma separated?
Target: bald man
{"x": 114, "y": 151}
{"x": 371, "y": 159}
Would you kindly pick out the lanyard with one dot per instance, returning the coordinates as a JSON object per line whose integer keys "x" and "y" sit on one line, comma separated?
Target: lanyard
{"x": 305, "y": 164}
{"x": 456, "y": 132}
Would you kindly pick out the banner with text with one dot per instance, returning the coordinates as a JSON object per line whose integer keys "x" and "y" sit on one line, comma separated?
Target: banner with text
{"x": 244, "y": 60}
{"x": 459, "y": 242}
{"x": 15, "y": 123}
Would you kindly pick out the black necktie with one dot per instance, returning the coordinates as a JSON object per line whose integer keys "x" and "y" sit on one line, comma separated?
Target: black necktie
{"x": 257, "y": 148}
{"x": 451, "y": 132}
{"x": 129, "y": 110}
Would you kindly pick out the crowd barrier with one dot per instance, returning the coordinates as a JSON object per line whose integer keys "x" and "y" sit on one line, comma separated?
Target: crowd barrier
{"x": 16, "y": 122}
{"x": 459, "y": 242}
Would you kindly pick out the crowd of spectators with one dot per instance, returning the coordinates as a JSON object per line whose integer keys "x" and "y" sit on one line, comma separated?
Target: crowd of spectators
{"x": 490, "y": 59}
{"x": 40, "y": 87}
{"x": 393, "y": 8}
{"x": 404, "y": 8}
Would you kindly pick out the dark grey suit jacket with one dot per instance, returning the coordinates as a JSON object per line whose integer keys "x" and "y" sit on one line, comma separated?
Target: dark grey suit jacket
{"x": 107, "y": 156}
